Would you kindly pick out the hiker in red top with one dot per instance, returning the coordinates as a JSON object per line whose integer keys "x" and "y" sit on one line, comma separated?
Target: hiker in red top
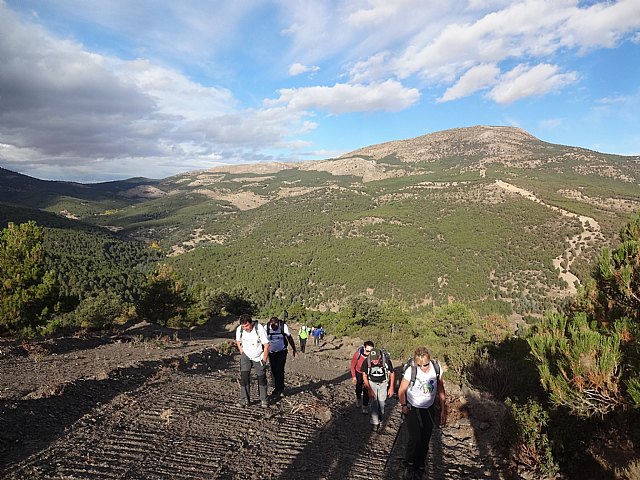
{"x": 361, "y": 355}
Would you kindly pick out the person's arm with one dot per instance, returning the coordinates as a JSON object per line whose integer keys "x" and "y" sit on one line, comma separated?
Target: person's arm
{"x": 402, "y": 395}
{"x": 392, "y": 382}
{"x": 354, "y": 359}
{"x": 262, "y": 335}
{"x": 442, "y": 397}
{"x": 289, "y": 338}
{"x": 365, "y": 382}
{"x": 239, "y": 342}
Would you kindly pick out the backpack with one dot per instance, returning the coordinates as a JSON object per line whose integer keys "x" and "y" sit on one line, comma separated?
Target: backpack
{"x": 414, "y": 370}
{"x": 280, "y": 327}
{"x": 384, "y": 356}
{"x": 281, "y": 332}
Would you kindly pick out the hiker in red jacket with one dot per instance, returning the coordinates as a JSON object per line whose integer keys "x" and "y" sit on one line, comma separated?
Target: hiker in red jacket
{"x": 361, "y": 355}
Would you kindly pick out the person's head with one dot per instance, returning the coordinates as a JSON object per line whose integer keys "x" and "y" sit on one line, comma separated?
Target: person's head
{"x": 368, "y": 346}
{"x": 245, "y": 322}
{"x": 375, "y": 355}
{"x": 422, "y": 358}
{"x": 274, "y": 322}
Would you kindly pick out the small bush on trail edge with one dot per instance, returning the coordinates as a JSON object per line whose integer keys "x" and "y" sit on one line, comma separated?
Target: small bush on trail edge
{"x": 226, "y": 348}
{"x": 524, "y": 437}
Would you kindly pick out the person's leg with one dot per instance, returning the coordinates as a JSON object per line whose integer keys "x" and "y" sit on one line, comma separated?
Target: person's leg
{"x": 359, "y": 386}
{"x": 412, "y": 421}
{"x": 245, "y": 382}
{"x": 425, "y": 437}
{"x": 278, "y": 364}
{"x": 261, "y": 371}
{"x": 382, "y": 397}
{"x": 365, "y": 396}
{"x": 374, "y": 407}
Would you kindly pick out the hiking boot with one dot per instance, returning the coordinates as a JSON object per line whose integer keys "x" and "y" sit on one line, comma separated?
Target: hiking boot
{"x": 359, "y": 403}
{"x": 375, "y": 428}
{"x": 243, "y": 403}
{"x": 264, "y": 404}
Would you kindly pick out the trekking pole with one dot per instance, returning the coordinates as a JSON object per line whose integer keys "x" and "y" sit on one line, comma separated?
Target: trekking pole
{"x": 395, "y": 440}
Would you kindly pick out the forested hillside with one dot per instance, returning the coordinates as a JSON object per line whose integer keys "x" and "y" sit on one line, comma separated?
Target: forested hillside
{"x": 489, "y": 216}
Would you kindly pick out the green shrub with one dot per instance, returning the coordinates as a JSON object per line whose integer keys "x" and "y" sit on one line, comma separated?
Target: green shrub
{"x": 579, "y": 366}
{"x": 524, "y": 435}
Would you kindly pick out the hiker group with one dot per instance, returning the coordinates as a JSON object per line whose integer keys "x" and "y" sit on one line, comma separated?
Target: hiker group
{"x": 420, "y": 390}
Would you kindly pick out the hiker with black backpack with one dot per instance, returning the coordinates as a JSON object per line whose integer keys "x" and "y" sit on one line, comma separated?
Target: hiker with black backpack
{"x": 378, "y": 378}
{"x": 253, "y": 344}
{"x": 279, "y": 338}
{"x": 358, "y": 359}
{"x": 420, "y": 388}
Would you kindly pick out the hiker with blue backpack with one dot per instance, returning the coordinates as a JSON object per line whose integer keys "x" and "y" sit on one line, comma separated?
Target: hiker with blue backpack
{"x": 279, "y": 339}
{"x": 420, "y": 388}
{"x": 379, "y": 379}
{"x": 357, "y": 361}
{"x": 253, "y": 344}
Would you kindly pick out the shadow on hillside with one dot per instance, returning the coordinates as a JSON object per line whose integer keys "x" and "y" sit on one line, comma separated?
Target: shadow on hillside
{"x": 31, "y": 425}
{"x": 131, "y": 331}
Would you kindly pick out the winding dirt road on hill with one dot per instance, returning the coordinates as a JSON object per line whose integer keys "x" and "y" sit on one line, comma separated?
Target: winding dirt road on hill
{"x": 590, "y": 227}
{"x": 145, "y": 404}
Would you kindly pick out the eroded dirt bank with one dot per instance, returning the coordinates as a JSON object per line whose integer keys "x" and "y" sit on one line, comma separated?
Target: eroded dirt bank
{"x": 142, "y": 406}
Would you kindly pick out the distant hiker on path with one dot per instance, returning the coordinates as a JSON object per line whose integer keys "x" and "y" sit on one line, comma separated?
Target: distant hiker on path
{"x": 279, "y": 338}
{"x": 253, "y": 343}
{"x": 378, "y": 378}
{"x": 316, "y": 333}
{"x": 303, "y": 335}
{"x": 358, "y": 359}
{"x": 420, "y": 388}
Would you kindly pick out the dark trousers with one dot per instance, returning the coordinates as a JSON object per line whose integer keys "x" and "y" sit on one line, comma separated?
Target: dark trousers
{"x": 303, "y": 344}
{"x": 360, "y": 390}
{"x": 246, "y": 364}
{"x": 420, "y": 422}
{"x": 278, "y": 361}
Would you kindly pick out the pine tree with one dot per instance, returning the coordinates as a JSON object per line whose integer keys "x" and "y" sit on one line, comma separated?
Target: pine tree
{"x": 26, "y": 289}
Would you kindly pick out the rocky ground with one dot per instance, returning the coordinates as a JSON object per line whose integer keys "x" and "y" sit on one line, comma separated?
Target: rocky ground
{"x": 145, "y": 403}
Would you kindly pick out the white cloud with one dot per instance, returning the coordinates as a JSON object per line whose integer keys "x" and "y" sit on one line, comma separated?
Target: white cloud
{"x": 524, "y": 81}
{"x": 474, "y": 79}
{"x": 299, "y": 69}
{"x": 388, "y": 96}
{"x": 63, "y": 107}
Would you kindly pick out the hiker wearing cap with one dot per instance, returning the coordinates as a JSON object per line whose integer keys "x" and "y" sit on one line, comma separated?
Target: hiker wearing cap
{"x": 378, "y": 378}
{"x": 358, "y": 359}
{"x": 253, "y": 344}
{"x": 279, "y": 339}
{"x": 420, "y": 388}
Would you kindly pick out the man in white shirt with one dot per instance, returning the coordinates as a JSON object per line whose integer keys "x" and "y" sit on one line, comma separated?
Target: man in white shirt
{"x": 253, "y": 344}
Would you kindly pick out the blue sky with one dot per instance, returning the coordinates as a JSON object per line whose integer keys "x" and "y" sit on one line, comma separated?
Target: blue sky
{"x": 94, "y": 90}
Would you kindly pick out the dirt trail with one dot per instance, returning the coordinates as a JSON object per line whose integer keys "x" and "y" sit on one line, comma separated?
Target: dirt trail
{"x": 140, "y": 406}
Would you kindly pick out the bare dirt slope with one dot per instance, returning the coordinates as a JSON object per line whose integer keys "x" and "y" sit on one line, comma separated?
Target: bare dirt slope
{"x": 140, "y": 405}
